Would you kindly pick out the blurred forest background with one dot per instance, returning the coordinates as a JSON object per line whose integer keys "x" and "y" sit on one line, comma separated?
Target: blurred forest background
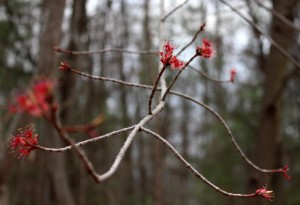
{"x": 262, "y": 107}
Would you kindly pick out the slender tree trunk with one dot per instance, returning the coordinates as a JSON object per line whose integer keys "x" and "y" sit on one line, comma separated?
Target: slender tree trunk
{"x": 125, "y": 120}
{"x": 7, "y": 163}
{"x": 56, "y": 187}
{"x": 52, "y": 16}
{"x": 269, "y": 138}
{"x": 183, "y": 174}
{"x": 147, "y": 75}
{"x": 79, "y": 40}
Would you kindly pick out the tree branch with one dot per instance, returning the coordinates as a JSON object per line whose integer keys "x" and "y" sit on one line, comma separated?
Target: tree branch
{"x": 192, "y": 169}
{"x": 274, "y": 43}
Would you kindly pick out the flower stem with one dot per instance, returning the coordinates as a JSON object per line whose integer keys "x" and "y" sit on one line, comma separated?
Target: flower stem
{"x": 177, "y": 75}
{"x": 154, "y": 89}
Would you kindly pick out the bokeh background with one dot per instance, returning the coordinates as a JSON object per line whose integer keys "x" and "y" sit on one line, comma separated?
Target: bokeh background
{"x": 262, "y": 107}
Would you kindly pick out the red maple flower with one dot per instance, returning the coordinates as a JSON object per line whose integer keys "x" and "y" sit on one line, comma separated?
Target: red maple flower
{"x": 25, "y": 104}
{"x": 233, "y": 73}
{"x": 176, "y": 63}
{"x": 167, "y": 52}
{"x": 268, "y": 194}
{"x": 43, "y": 87}
{"x": 36, "y": 100}
{"x": 23, "y": 142}
{"x": 167, "y": 58}
{"x": 64, "y": 66}
{"x": 284, "y": 171}
{"x": 205, "y": 50}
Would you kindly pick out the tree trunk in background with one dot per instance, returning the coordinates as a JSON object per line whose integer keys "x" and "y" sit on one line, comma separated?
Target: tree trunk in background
{"x": 128, "y": 187}
{"x": 50, "y": 36}
{"x": 184, "y": 191}
{"x": 269, "y": 141}
{"x": 53, "y": 185}
{"x": 147, "y": 76}
{"x": 79, "y": 40}
{"x": 7, "y": 162}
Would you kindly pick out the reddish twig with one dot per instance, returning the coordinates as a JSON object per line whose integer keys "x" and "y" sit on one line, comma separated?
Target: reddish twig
{"x": 154, "y": 89}
{"x": 201, "y": 29}
{"x": 177, "y": 75}
{"x": 83, "y": 128}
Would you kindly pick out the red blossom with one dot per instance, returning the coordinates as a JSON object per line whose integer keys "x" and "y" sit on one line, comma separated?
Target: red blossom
{"x": 263, "y": 192}
{"x": 169, "y": 47}
{"x": 24, "y": 141}
{"x": 176, "y": 63}
{"x": 284, "y": 171}
{"x": 205, "y": 50}
{"x": 36, "y": 100}
{"x": 43, "y": 87}
{"x": 233, "y": 73}
{"x": 64, "y": 66}
{"x": 167, "y": 52}
{"x": 167, "y": 58}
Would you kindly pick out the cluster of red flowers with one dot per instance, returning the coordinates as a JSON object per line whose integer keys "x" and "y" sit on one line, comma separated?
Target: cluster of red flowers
{"x": 167, "y": 58}
{"x": 36, "y": 100}
{"x": 23, "y": 142}
{"x": 268, "y": 194}
{"x": 206, "y": 50}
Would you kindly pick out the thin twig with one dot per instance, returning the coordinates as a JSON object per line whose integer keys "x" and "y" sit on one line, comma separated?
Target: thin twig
{"x": 82, "y": 155}
{"x": 161, "y": 34}
{"x": 192, "y": 169}
{"x": 272, "y": 41}
{"x": 95, "y": 139}
{"x": 208, "y": 77}
{"x": 154, "y": 89}
{"x": 109, "y": 79}
{"x": 202, "y": 27}
{"x": 232, "y": 138}
{"x": 84, "y": 127}
{"x": 71, "y": 52}
{"x": 279, "y": 16}
{"x": 173, "y": 11}
{"x": 177, "y": 75}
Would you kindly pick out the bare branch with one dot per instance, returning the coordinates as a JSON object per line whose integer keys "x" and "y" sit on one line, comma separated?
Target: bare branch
{"x": 84, "y": 127}
{"x": 177, "y": 75}
{"x": 122, "y": 50}
{"x": 154, "y": 89}
{"x": 85, "y": 141}
{"x": 202, "y": 27}
{"x": 279, "y": 16}
{"x": 274, "y": 43}
{"x": 192, "y": 169}
{"x": 208, "y": 77}
{"x": 82, "y": 155}
{"x": 191, "y": 99}
{"x": 173, "y": 11}
{"x": 128, "y": 141}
